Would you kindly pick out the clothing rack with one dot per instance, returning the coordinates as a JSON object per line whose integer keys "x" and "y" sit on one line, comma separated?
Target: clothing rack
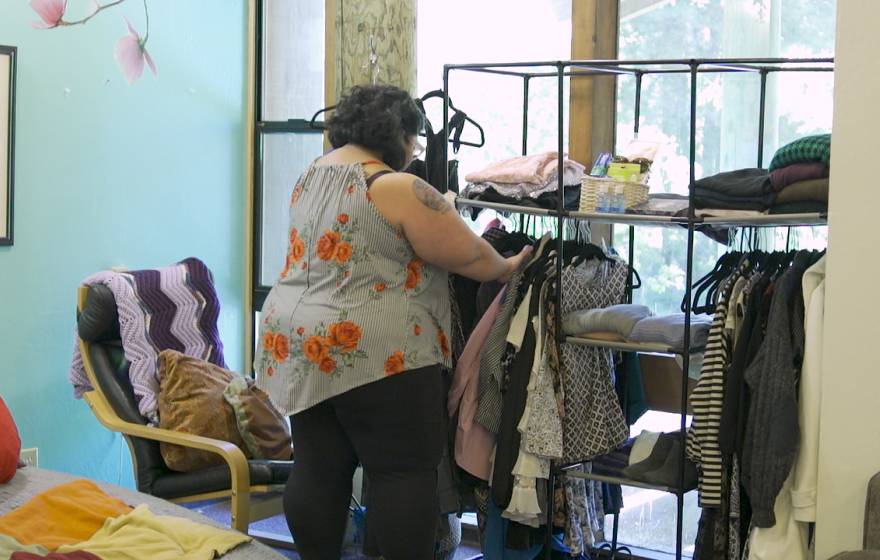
{"x": 526, "y": 71}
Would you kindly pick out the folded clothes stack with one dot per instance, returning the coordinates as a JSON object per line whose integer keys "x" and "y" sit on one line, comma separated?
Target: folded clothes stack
{"x": 743, "y": 189}
{"x": 531, "y": 180}
{"x": 662, "y": 464}
{"x": 651, "y": 457}
{"x": 635, "y": 323}
{"x": 796, "y": 182}
{"x": 616, "y": 321}
{"x": 669, "y": 330}
{"x": 799, "y": 175}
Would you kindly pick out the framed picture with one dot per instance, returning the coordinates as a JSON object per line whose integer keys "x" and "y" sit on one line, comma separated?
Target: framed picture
{"x": 7, "y": 139}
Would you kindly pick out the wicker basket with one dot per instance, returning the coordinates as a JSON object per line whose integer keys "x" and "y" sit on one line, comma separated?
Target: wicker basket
{"x": 633, "y": 193}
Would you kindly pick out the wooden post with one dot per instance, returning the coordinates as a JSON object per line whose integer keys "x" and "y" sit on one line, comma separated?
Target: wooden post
{"x": 250, "y": 127}
{"x": 593, "y": 99}
{"x": 375, "y": 43}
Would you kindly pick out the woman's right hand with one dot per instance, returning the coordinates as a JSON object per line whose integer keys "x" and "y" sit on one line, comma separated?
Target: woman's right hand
{"x": 515, "y": 262}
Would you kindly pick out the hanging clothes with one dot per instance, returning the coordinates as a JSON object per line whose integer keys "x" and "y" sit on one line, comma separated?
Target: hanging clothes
{"x": 772, "y": 434}
{"x": 769, "y": 404}
{"x": 803, "y": 492}
{"x": 593, "y": 423}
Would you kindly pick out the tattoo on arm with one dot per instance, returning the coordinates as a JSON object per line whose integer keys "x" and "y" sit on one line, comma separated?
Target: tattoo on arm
{"x": 429, "y": 197}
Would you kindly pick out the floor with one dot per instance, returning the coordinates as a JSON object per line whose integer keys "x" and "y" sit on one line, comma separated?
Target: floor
{"x": 276, "y": 527}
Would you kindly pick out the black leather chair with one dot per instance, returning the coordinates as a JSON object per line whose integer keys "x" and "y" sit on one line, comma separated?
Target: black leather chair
{"x": 113, "y": 403}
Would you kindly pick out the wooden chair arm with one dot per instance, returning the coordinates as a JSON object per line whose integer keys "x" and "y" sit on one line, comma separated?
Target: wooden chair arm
{"x": 240, "y": 476}
{"x": 239, "y": 471}
{"x": 108, "y": 418}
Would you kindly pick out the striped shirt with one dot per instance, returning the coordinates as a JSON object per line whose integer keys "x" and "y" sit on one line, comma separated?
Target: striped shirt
{"x": 354, "y": 303}
{"x": 707, "y": 402}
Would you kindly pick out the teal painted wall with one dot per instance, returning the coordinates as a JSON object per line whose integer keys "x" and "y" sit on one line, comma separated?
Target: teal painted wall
{"x": 110, "y": 174}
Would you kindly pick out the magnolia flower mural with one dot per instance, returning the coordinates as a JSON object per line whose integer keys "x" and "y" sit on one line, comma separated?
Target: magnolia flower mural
{"x": 131, "y": 50}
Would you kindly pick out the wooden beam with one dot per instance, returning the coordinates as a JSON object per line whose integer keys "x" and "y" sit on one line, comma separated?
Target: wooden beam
{"x": 330, "y": 11}
{"x": 580, "y": 124}
{"x": 604, "y": 87}
{"x": 250, "y": 126}
{"x": 592, "y": 101}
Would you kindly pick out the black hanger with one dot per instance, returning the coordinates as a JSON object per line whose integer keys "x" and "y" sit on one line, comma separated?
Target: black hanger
{"x": 456, "y": 122}
{"x": 316, "y": 125}
{"x": 575, "y": 252}
{"x": 729, "y": 265}
{"x": 709, "y": 282}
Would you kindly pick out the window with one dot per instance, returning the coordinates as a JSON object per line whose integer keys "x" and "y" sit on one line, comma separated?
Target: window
{"x": 464, "y": 31}
{"x": 290, "y": 89}
{"x": 798, "y": 104}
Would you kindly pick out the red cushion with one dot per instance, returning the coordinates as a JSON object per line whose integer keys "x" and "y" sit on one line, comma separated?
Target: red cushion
{"x": 10, "y": 444}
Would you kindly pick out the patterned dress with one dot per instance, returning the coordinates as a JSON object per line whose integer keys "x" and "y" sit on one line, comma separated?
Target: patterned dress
{"x": 593, "y": 423}
{"x": 354, "y": 303}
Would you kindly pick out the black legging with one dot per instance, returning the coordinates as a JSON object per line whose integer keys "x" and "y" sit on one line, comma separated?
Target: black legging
{"x": 395, "y": 428}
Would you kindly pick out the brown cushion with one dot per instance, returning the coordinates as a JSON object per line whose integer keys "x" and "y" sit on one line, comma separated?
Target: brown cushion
{"x": 191, "y": 401}
{"x": 265, "y": 431}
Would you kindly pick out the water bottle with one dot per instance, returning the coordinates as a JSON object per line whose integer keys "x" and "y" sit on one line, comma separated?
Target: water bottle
{"x": 619, "y": 205}
{"x": 603, "y": 199}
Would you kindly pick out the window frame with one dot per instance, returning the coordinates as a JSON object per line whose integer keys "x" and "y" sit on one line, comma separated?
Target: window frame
{"x": 258, "y": 290}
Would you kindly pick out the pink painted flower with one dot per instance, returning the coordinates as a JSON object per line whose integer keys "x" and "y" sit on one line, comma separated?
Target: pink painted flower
{"x": 131, "y": 54}
{"x": 50, "y": 11}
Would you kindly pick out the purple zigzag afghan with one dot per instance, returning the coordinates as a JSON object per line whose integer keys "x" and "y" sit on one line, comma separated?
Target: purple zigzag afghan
{"x": 181, "y": 307}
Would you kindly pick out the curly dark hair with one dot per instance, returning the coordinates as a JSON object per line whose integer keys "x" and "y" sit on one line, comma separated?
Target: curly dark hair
{"x": 377, "y": 117}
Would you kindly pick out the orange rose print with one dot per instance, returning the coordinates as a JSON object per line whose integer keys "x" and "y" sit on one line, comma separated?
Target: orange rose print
{"x": 297, "y": 250}
{"x": 413, "y": 274}
{"x": 327, "y": 365}
{"x": 343, "y": 252}
{"x": 300, "y": 331}
{"x": 346, "y": 335}
{"x": 417, "y": 330}
{"x": 327, "y": 245}
{"x": 295, "y": 195}
{"x": 350, "y": 189}
{"x": 444, "y": 343}
{"x": 294, "y": 234}
{"x": 342, "y": 219}
{"x": 315, "y": 349}
{"x": 280, "y": 348}
{"x": 380, "y": 287}
{"x": 270, "y": 371}
{"x": 394, "y": 363}
{"x": 268, "y": 341}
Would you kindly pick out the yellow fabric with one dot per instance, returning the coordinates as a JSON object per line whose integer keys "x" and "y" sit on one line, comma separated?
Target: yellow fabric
{"x": 8, "y": 545}
{"x": 66, "y": 514}
{"x": 141, "y": 534}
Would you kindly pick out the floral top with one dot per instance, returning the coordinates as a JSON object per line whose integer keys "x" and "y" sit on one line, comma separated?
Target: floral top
{"x": 354, "y": 303}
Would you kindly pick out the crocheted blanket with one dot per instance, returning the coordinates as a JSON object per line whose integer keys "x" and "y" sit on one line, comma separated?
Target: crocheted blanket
{"x": 174, "y": 308}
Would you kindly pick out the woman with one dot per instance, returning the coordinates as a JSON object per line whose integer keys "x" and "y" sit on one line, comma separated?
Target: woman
{"x": 354, "y": 331}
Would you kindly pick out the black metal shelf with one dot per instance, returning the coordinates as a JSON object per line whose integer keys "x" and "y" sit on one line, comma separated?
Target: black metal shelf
{"x": 559, "y": 71}
{"x": 639, "y": 347}
{"x": 553, "y": 68}
{"x": 622, "y": 481}
{"x": 768, "y": 220}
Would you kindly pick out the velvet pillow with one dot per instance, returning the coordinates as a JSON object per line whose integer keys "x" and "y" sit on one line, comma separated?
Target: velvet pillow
{"x": 191, "y": 401}
{"x": 265, "y": 431}
{"x": 10, "y": 444}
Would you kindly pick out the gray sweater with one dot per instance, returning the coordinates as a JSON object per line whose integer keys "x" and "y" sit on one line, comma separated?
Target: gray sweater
{"x": 772, "y": 436}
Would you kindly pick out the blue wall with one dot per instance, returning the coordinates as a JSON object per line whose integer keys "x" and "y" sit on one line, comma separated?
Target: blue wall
{"x": 110, "y": 174}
